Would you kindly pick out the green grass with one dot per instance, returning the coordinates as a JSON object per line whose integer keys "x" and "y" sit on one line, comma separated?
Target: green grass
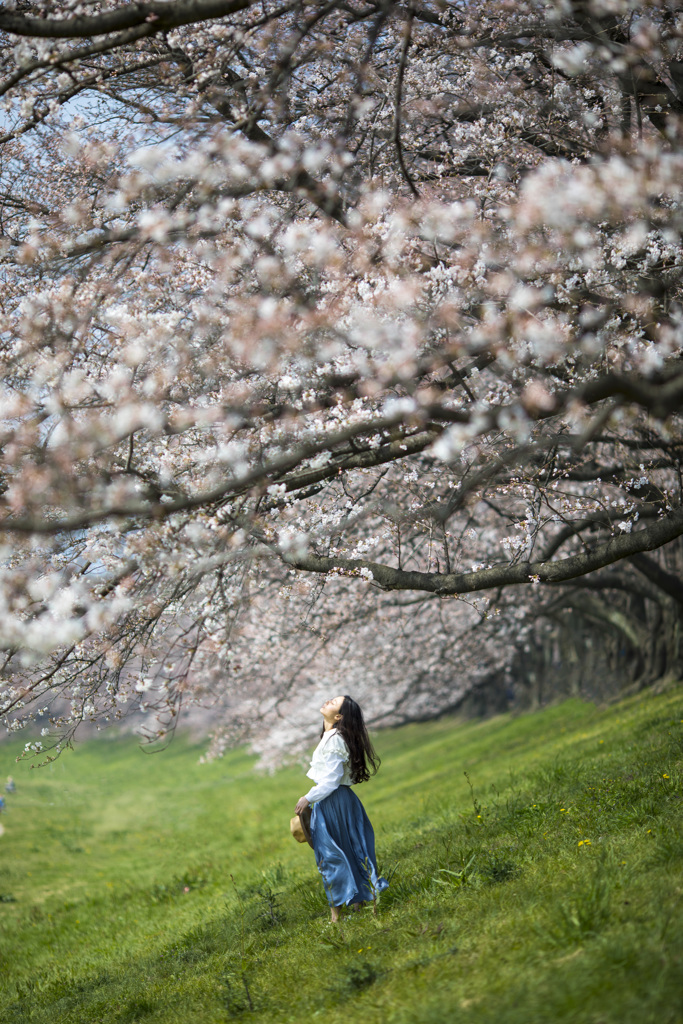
{"x": 151, "y": 888}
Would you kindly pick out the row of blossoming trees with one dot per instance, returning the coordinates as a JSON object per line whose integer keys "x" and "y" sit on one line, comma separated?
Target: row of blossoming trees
{"x": 341, "y": 347}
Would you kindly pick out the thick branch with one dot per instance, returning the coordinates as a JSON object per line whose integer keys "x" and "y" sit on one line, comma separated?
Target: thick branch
{"x": 617, "y": 580}
{"x": 162, "y": 15}
{"x": 666, "y": 581}
{"x": 662, "y": 399}
{"x": 662, "y": 532}
{"x": 601, "y": 521}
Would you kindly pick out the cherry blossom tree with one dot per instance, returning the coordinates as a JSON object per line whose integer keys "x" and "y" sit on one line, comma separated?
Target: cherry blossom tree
{"x": 339, "y": 341}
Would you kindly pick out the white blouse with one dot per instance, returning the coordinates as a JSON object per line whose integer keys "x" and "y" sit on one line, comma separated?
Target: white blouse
{"x": 329, "y": 766}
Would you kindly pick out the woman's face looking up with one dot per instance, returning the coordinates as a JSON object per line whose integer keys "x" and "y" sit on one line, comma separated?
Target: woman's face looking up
{"x": 331, "y": 708}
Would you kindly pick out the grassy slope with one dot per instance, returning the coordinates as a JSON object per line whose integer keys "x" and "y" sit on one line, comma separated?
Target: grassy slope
{"x": 562, "y": 902}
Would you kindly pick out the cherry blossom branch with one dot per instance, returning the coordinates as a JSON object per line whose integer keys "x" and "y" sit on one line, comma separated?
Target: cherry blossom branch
{"x": 93, "y": 81}
{"x": 660, "y": 400}
{"x": 272, "y": 469}
{"x": 662, "y": 532}
{"x": 56, "y": 60}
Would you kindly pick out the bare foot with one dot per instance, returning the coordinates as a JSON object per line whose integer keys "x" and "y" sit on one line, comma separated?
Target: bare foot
{"x": 334, "y": 913}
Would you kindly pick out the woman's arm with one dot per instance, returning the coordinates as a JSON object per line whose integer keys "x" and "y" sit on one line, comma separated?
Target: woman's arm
{"x": 328, "y": 782}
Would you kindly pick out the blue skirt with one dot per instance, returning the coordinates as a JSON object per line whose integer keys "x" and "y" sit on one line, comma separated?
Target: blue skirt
{"x": 344, "y": 846}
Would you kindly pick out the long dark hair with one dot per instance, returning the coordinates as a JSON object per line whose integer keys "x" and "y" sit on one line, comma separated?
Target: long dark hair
{"x": 351, "y": 727}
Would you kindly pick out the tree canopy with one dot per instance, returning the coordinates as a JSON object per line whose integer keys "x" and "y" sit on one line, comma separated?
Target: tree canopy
{"x": 340, "y": 340}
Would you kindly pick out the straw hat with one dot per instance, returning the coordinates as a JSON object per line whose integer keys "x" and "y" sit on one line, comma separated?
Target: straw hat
{"x": 300, "y": 827}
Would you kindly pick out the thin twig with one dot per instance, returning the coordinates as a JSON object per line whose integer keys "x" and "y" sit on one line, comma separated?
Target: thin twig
{"x": 407, "y": 36}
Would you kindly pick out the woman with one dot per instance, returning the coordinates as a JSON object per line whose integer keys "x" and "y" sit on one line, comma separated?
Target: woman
{"x": 342, "y": 836}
